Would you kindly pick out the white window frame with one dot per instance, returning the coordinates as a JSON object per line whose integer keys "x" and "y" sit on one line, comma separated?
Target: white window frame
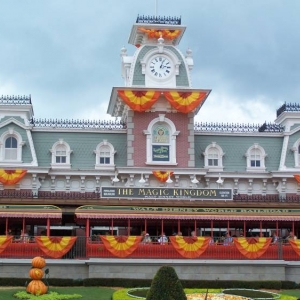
{"x": 54, "y": 149}
{"x": 219, "y": 151}
{"x": 263, "y": 155}
{"x": 105, "y": 144}
{"x": 161, "y": 120}
{"x": 20, "y": 143}
{"x": 296, "y": 149}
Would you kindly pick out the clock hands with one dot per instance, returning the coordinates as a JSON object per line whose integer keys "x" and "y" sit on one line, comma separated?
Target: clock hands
{"x": 162, "y": 64}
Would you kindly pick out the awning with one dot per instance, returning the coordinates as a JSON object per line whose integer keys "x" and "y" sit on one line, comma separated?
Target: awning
{"x": 186, "y": 213}
{"x": 30, "y": 211}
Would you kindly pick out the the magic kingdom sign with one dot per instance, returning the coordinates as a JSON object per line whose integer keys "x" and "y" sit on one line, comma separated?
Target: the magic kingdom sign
{"x": 166, "y": 193}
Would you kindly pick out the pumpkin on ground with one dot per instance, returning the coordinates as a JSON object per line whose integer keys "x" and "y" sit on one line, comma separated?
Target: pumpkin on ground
{"x": 36, "y": 273}
{"x": 36, "y": 287}
{"x": 38, "y": 262}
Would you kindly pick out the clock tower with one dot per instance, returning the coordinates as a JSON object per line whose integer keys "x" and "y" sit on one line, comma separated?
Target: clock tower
{"x": 157, "y": 101}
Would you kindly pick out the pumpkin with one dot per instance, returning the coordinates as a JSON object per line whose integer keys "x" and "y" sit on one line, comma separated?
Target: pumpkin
{"x": 36, "y": 273}
{"x": 36, "y": 287}
{"x": 38, "y": 262}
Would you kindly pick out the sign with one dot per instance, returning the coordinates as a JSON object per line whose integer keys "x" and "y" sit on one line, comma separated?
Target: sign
{"x": 160, "y": 153}
{"x": 166, "y": 193}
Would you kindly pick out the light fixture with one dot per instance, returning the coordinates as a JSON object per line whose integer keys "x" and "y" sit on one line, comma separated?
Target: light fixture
{"x": 220, "y": 180}
{"x": 195, "y": 180}
{"x": 142, "y": 180}
{"x": 115, "y": 179}
{"x": 169, "y": 180}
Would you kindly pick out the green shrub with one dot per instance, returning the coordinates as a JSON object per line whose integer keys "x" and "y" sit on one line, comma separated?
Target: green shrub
{"x": 166, "y": 286}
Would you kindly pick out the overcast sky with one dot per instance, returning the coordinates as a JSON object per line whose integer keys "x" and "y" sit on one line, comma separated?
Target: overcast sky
{"x": 66, "y": 54}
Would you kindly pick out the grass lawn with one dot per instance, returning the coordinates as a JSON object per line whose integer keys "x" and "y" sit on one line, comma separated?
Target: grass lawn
{"x": 99, "y": 293}
{"x": 87, "y": 293}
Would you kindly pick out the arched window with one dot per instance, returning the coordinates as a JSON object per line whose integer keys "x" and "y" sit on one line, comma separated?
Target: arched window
{"x": 213, "y": 157}
{"x": 11, "y": 146}
{"x": 296, "y": 150}
{"x": 61, "y": 153}
{"x": 161, "y": 141}
{"x": 105, "y": 154}
{"x": 256, "y": 158}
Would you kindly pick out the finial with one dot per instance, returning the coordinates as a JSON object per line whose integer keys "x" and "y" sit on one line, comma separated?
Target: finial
{"x": 189, "y": 52}
{"x": 123, "y": 51}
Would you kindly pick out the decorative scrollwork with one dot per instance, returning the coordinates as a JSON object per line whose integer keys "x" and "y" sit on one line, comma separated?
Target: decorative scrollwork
{"x": 231, "y": 127}
{"x": 158, "y": 20}
{"x": 295, "y": 107}
{"x": 78, "y": 124}
{"x": 15, "y": 100}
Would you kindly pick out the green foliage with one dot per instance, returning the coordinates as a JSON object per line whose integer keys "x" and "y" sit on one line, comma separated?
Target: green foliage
{"x": 166, "y": 286}
{"x": 51, "y": 296}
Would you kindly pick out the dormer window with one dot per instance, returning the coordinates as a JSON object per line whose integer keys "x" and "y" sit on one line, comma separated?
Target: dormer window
{"x": 296, "y": 150}
{"x": 256, "y": 158}
{"x": 213, "y": 157}
{"x": 105, "y": 154}
{"x": 11, "y": 147}
{"x": 61, "y": 153}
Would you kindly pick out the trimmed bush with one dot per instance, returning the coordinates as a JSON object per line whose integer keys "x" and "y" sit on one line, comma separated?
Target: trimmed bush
{"x": 166, "y": 286}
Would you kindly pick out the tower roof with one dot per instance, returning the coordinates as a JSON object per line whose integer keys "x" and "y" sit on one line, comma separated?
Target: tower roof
{"x": 148, "y": 29}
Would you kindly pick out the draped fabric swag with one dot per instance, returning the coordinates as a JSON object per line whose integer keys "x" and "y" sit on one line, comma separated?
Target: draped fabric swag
{"x": 162, "y": 176}
{"x": 10, "y": 177}
{"x": 183, "y": 102}
{"x": 55, "y": 247}
{"x": 4, "y": 242}
{"x": 121, "y": 246}
{"x": 252, "y": 247}
{"x": 190, "y": 247}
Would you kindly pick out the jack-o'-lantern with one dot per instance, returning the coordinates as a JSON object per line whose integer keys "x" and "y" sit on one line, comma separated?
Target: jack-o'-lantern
{"x": 36, "y": 273}
{"x": 38, "y": 262}
{"x": 36, "y": 287}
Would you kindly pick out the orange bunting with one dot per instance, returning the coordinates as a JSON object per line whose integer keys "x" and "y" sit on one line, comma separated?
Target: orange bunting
{"x": 9, "y": 177}
{"x": 121, "y": 246}
{"x": 185, "y": 102}
{"x": 190, "y": 247}
{"x": 164, "y": 33}
{"x": 162, "y": 176}
{"x": 55, "y": 247}
{"x": 139, "y": 100}
{"x": 253, "y": 247}
{"x": 4, "y": 242}
{"x": 295, "y": 245}
{"x": 297, "y": 177}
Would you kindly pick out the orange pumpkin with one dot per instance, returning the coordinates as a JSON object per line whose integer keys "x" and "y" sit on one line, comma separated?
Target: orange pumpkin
{"x": 38, "y": 262}
{"x": 36, "y": 287}
{"x": 36, "y": 273}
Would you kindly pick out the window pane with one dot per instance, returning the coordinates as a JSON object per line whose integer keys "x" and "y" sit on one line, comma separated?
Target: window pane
{"x": 11, "y": 154}
{"x": 11, "y": 142}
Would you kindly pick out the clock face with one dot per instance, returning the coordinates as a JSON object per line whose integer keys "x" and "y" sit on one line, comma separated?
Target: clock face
{"x": 160, "y": 67}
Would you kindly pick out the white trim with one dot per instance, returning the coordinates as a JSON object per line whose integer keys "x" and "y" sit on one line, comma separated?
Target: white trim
{"x": 112, "y": 152}
{"x": 67, "y": 164}
{"x": 263, "y": 155}
{"x": 220, "y": 154}
{"x": 20, "y": 143}
{"x": 172, "y": 142}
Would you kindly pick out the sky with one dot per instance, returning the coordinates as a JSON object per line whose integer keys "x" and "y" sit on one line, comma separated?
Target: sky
{"x": 66, "y": 54}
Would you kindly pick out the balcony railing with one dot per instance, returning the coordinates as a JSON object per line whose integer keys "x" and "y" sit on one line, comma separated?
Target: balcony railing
{"x": 86, "y": 248}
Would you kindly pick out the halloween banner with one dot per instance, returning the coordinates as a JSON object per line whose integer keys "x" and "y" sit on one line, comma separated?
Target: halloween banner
{"x": 139, "y": 100}
{"x": 121, "y": 246}
{"x": 9, "y": 177}
{"x": 162, "y": 176}
{"x": 190, "y": 247}
{"x": 295, "y": 245}
{"x": 297, "y": 177}
{"x": 55, "y": 247}
{"x": 253, "y": 247}
{"x": 185, "y": 102}
{"x": 4, "y": 242}
{"x": 164, "y": 33}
